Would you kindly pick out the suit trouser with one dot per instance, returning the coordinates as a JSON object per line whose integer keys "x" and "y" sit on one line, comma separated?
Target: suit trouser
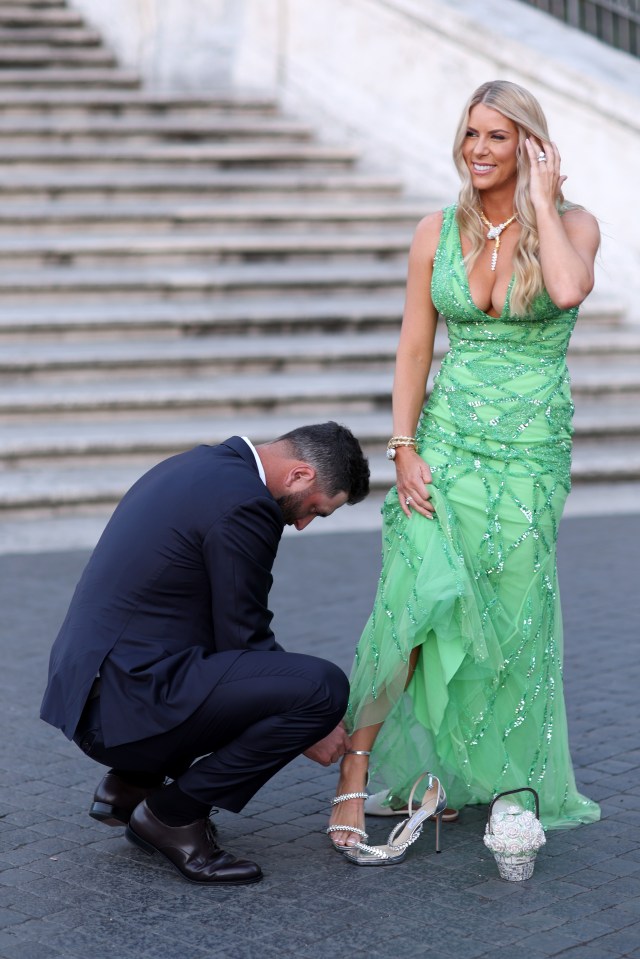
{"x": 268, "y": 708}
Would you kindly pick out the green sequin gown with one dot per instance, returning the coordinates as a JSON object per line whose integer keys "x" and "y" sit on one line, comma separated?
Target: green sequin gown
{"x": 476, "y": 588}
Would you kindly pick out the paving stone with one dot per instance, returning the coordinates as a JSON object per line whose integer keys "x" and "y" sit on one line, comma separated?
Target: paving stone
{"x": 539, "y": 921}
{"x": 552, "y": 942}
{"x": 588, "y": 952}
{"x": 628, "y": 907}
{"x": 530, "y": 955}
{"x": 623, "y": 941}
{"x": 31, "y": 950}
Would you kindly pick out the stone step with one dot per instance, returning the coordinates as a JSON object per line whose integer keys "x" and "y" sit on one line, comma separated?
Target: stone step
{"x": 48, "y": 35}
{"x": 48, "y": 57}
{"x": 102, "y": 216}
{"x": 115, "y": 102}
{"x": 193, "y": 184}
{"x": 34, "y": 4}
{"x": 277, "y": 314}
{"x": 223, "y": 354}
{"x": 174, "y": 250}
{"x": 97, "y": 103}
{"x": 118, "y": 437}
{"x": 199, "y": 390}
{"x": 22, "y": 288}
{"x": 48, "y": 77}
{"x": 58, "y": 486}
{"x": 121, "y": 436}
{"x": 50, "y": 283}
{"x": 20, "y": 15}
{"x": 95, "y": 132}
{"x": 286, "y": 350}
{"x": 202, "y": 386}
{"x": 154, "y": 316}
{"x": 229, "y": 154}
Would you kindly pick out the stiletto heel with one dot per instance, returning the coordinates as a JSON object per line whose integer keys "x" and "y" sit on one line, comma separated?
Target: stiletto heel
{"x": 343, "y": 798}
{"x": 433, "y": 804}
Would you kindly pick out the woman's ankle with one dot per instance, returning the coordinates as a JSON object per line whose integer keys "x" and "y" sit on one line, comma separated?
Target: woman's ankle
{"x": 354, "y": 769}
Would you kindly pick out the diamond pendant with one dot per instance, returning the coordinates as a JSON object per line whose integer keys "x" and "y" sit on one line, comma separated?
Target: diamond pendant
{"x": 494, "y": 232}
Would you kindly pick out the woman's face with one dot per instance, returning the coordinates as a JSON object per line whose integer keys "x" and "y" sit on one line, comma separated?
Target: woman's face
{"x": 489, "y": 148}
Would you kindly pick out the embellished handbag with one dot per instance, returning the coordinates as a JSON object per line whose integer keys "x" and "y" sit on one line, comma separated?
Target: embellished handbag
{"x": 514, "y": 835}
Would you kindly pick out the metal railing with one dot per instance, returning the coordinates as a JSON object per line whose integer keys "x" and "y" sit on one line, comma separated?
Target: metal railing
{"x": 616, "y": 22}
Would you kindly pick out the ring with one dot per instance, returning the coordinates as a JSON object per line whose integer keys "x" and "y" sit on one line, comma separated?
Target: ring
{"x": 408, "y": 500}
{"x": 542, "y": 157}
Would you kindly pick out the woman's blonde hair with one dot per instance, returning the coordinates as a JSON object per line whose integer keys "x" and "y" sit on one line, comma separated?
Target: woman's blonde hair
{"x": 522, "y": 108}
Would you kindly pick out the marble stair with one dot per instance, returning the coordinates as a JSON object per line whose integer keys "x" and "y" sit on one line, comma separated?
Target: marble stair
{"x": 175, "y": 268}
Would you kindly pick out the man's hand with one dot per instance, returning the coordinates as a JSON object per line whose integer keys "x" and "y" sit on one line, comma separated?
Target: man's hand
{"x": 331, "y": 748}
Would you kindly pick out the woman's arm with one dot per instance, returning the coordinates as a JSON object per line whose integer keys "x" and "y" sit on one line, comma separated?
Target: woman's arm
{"x": 413, "y": 362}
{"x": 568, "y": 243}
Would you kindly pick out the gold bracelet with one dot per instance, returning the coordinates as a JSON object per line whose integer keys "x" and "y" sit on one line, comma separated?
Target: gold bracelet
{"x": 401, "y": 441}
{"x": 397, "y": 441}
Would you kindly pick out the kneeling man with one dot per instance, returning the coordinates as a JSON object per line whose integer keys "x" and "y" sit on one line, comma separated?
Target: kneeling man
{"x": 166, "y": 667}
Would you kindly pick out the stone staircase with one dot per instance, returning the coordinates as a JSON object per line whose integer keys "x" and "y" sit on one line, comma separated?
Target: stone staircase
{"x": 176, "y": 268}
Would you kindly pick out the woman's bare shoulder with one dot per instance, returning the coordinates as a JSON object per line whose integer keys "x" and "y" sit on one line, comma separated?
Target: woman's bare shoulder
{"x": 427, "y": 234}
{"x": 581, "y": 219}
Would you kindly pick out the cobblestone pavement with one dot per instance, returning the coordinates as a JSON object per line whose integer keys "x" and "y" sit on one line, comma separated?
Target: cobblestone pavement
{"x": 72, "y": 888}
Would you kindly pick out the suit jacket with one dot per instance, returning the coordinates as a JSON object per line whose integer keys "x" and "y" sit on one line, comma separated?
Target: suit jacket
{"x": 176, "y": 589}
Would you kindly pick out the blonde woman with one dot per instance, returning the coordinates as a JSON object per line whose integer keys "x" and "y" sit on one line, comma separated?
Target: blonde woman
{"x": 459, "y": 669}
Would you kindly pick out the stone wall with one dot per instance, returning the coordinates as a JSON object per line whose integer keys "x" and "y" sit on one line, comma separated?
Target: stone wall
{"x": 174, "y": 44}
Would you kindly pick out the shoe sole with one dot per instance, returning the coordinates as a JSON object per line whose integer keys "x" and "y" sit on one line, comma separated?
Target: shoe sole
{"x": 108, "y": 815}
{"x": 375, "y": 862}
{"x": 152, "y": 850}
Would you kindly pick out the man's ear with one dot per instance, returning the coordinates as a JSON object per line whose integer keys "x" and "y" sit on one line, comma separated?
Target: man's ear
{"x": 300, "y": 478}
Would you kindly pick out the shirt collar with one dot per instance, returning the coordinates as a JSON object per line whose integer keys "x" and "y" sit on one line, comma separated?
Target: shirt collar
{"x": 261, "y": 471}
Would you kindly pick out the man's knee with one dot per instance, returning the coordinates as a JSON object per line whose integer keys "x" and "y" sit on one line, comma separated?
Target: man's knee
{"x": 332, "y": 684}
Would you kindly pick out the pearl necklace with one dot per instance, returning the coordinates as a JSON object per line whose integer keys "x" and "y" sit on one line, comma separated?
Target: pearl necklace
{"x": 494, "y": 234}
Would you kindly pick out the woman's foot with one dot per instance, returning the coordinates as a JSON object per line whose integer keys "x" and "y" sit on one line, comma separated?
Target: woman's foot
{"x": 346, "y": 825}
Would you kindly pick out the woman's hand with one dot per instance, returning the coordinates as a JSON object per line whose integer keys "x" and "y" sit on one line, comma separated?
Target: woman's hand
{"x": 567, "y": 244}
{"x": 546, "y": 180}
{"x": 413, "y": 476}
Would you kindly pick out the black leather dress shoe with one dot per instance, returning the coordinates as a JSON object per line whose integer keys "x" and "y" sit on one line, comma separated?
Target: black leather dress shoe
{"x": 192, "y": 849}
{"x": 114, "y": 800}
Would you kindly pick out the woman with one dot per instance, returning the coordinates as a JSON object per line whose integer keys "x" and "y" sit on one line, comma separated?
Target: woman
{"x": 461, "y": 659}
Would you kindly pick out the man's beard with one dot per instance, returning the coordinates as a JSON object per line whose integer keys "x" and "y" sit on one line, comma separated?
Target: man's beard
{"x": 290, "y": 504}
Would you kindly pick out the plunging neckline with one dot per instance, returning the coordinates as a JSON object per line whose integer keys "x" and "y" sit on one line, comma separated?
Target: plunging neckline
{"x": 488, "y": 316}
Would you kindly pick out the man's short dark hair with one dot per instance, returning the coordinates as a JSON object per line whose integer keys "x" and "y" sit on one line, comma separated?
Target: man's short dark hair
{"x": 336, "y": 456}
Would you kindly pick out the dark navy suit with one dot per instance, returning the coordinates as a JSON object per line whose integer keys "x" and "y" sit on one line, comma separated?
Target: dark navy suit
{"x": 172, "y": 613}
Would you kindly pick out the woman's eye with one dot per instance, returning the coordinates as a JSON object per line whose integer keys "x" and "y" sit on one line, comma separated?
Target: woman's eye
{"x": 470, "y": 133}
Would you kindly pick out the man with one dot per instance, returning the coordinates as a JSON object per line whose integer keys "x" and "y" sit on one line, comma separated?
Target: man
{"x": 166, "y": 666}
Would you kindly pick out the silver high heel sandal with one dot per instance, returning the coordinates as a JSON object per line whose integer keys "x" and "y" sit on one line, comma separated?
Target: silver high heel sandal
{"x": 434, "y": 802}
{"x": 335, "y": 802}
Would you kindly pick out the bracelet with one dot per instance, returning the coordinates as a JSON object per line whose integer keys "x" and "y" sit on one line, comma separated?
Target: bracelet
{"x": 397, "y": 441}
{"x": 401, "y": 441}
